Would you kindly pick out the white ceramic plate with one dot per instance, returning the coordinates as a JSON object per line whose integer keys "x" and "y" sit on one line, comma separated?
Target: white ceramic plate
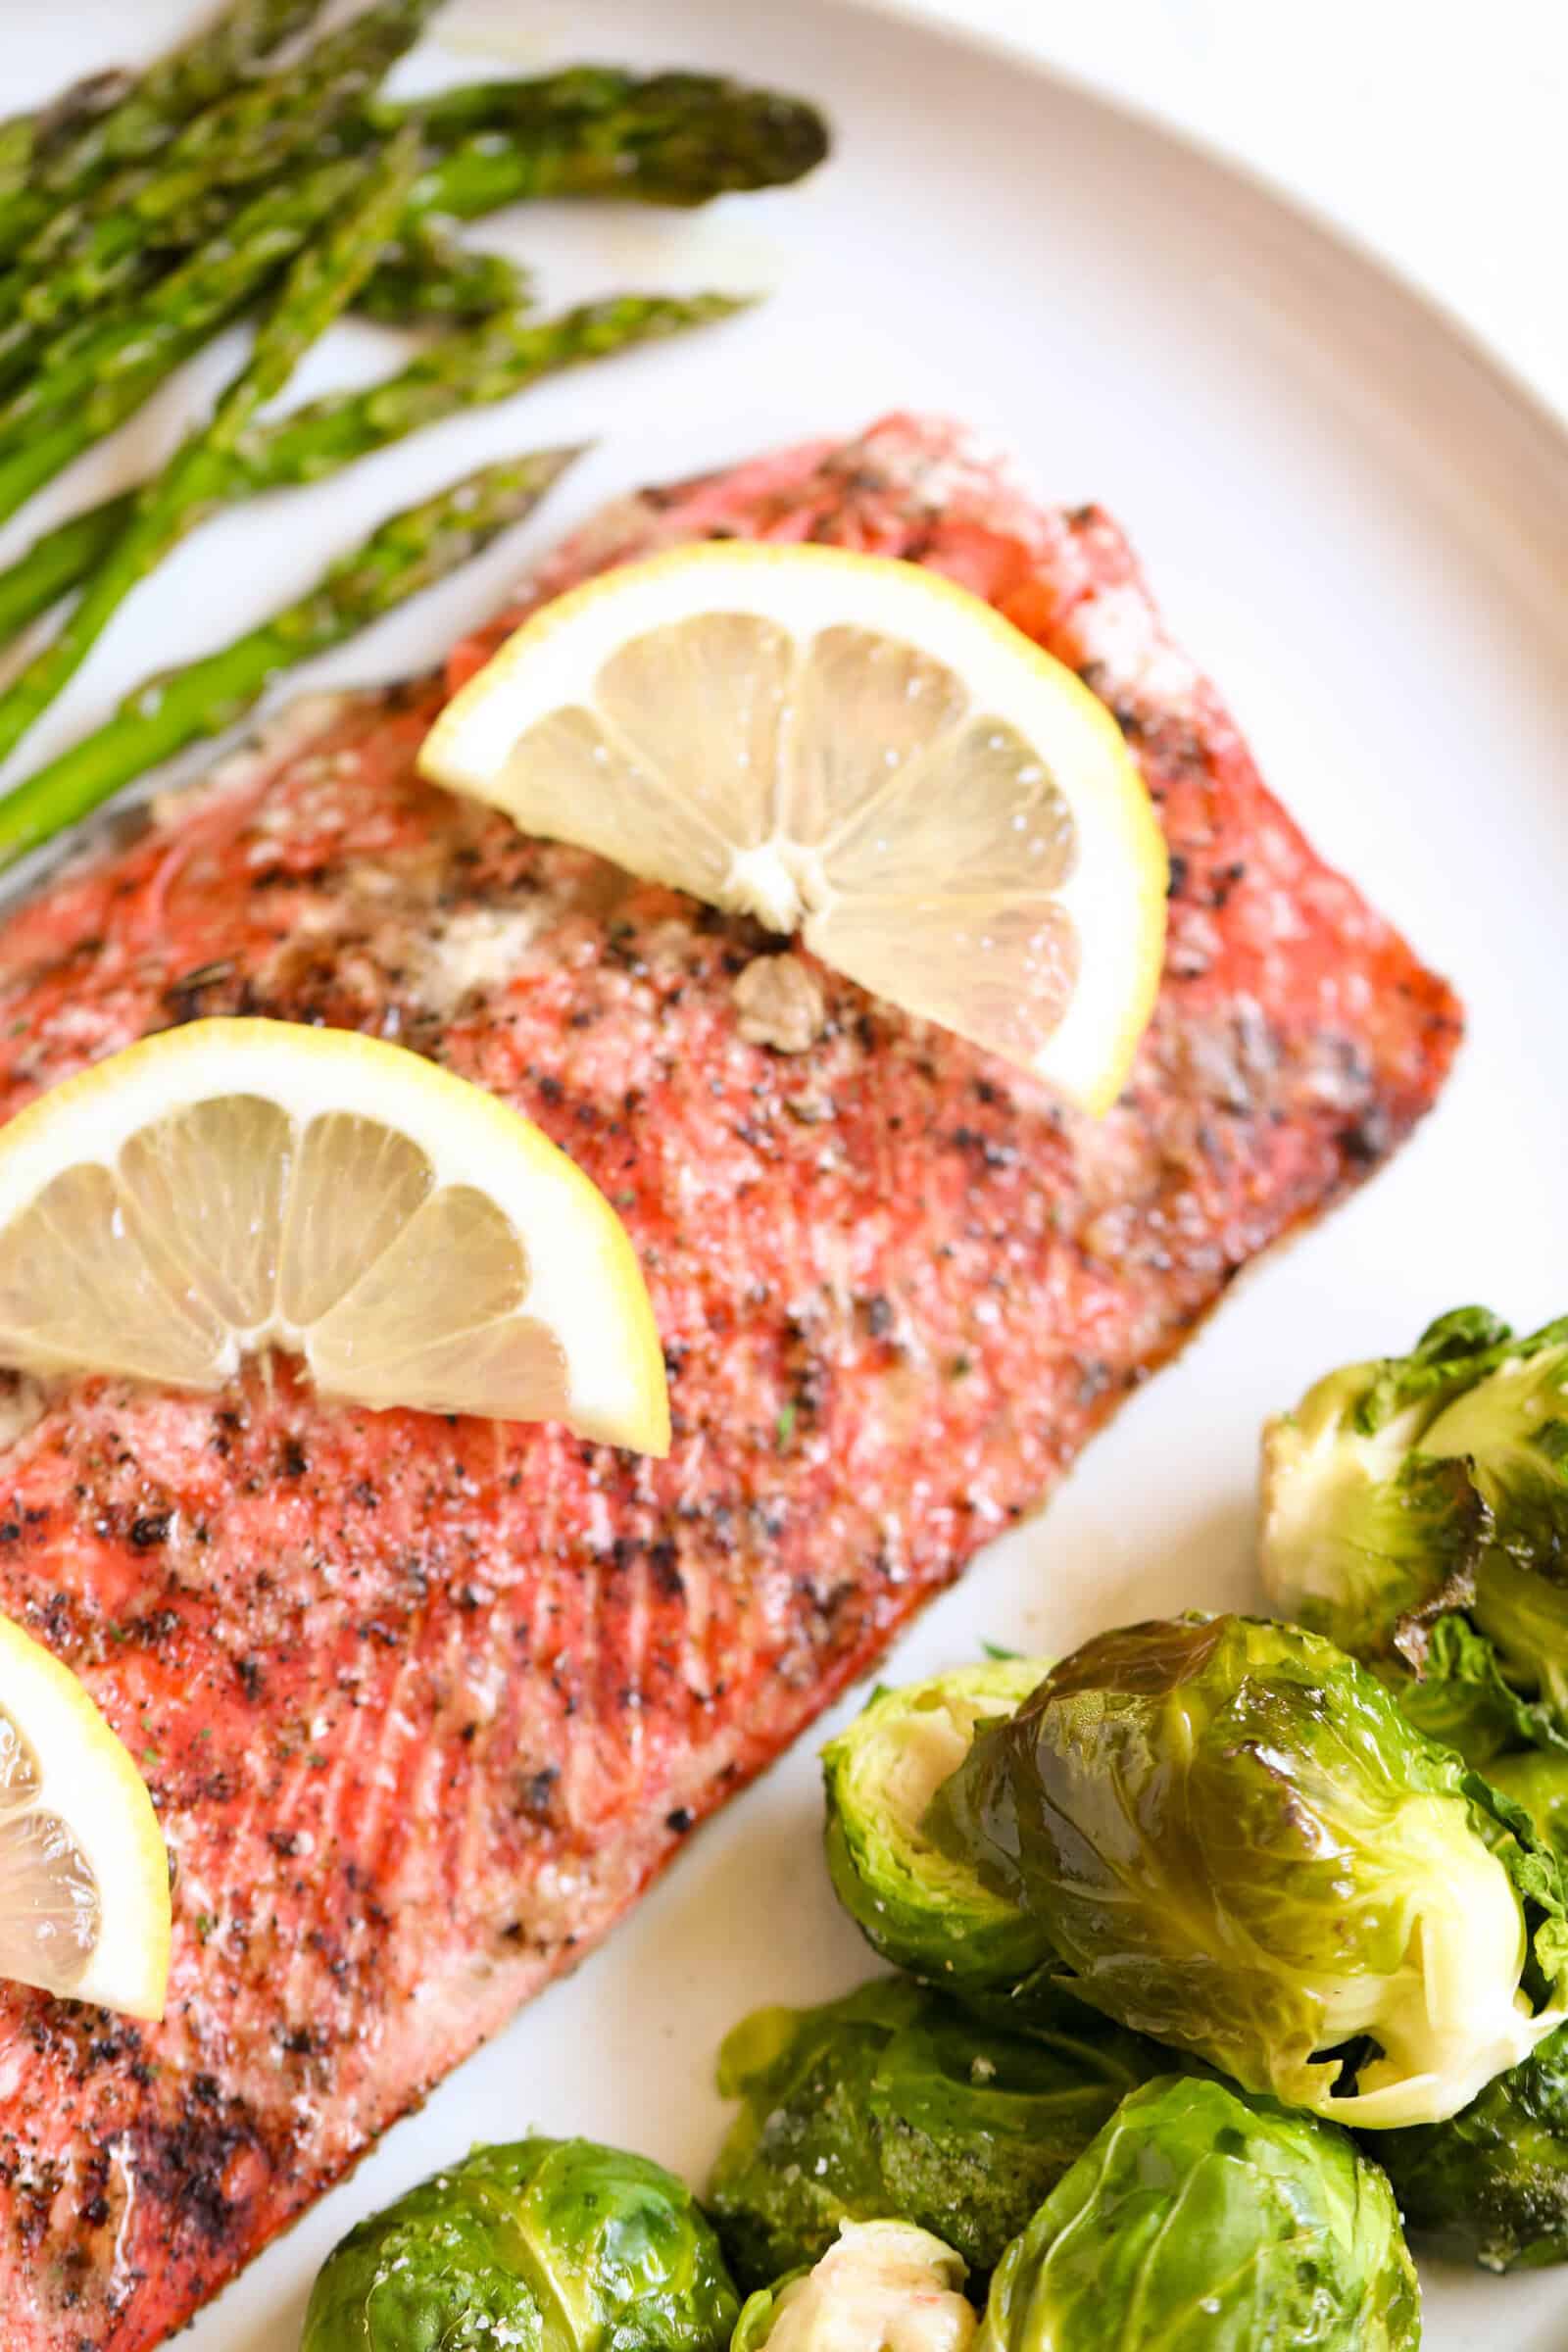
{"x": 1359, "y": 527}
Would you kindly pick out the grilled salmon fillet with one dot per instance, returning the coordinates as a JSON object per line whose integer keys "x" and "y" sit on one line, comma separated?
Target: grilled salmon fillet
{"x": 423, "y": 1702}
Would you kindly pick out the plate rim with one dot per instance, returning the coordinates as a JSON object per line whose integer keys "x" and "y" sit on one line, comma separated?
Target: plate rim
{"x": 1004, "y": 45}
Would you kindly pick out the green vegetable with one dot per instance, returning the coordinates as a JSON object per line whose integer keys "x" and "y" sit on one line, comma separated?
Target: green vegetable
{"x": 409, "y": 551}
{"x": 882, "y": 2286}
{"x": 320, "y": 285}
{"x": 917, "y": 1907}
{"x": 500, "y": 356}
{"x": 261, "y": 130}
{"x": 670, "y": 138}
{"x": 28, "y": 140}
{"x": 1239, "y": 1846}
{"x": 1416, "y": 1510}
{"x": 896, "y": 2101}
{"x": 1200, "y": 2221}
{"x": 664, "y": 138}
{"x": 1490, "y": 2184}
{"x": 114, "y": 120}
{"x": 1537, "y": 1779}
{"x": 551, "y": 2245}
{"x": 98, "y": 373}
{"x": 427, "y": 275}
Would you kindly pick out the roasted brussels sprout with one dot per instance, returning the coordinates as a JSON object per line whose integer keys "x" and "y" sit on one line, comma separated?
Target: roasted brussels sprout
{"x": 917, "y": 1908}
{"x": 1239, "y": 1846}
{"x": 896, "y": 2100}
{"x": 1490, "y": 2184}
{"x": 554, "y": 2245}
{"x": 880, "y": 2285}
{"x": 1204, "y": 2222}
{"x": 1416, "y": 1510}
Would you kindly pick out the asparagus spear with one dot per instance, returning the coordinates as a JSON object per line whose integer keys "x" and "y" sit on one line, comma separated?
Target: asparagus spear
{"x": 224, "y": 54}
{"x": 470, "y": 368}
{"x": 74, "y": 150}
{"x": 541, "y": 100}
{"x": 64, "y": 268}
{"x": 676, "y": 139}
{"x": 182, "y": 310}
{"x": 28, "y": 141}
{"x": 324, "y": 278}
{"x": 651, "y": 143}
{"x": 58, "y": 561}
{"x": 667, "y": 137}
{"x": 464, "y": 370}
{"x": 428, "y": 275}
{"x": 409, "y": 551}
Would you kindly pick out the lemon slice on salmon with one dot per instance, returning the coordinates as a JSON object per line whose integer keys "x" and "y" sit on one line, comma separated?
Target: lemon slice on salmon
{"x": 242, "y": 1184}
{"x": 855, "y": 749}
{"x": 84, "y": 1905}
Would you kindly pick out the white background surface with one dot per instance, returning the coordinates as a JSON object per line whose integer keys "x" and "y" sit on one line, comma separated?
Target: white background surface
{"x": 1433, "y": 129}
{"x": 1349, "y": 520}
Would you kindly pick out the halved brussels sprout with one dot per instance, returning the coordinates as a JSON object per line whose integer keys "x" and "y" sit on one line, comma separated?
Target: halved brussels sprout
{"x": 882, "y": 2286}
{"x": 1416, "y": 1510}
{"x": 1205, "y": 2222}
{"x": 1239, "y": 1846}
{"x": 896, "y": 2101}
{"x": 551, "y": 2245}
{"x": 918, "y": 1908}
{"x": 1490, "y": 2184}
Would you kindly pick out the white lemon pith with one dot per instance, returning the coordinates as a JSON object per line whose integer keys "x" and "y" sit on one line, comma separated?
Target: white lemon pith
{"x": 83, "y": 1869}
{"x": 239, "y": 1184}
{"x": 856, "y": 749}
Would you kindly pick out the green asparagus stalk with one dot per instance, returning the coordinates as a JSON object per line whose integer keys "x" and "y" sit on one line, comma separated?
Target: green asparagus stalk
{"x": 671, "y": 138}
{"x": 667, "y": 138}
{"x": 72, "y": 152}
{"x": 58, "y": 561}
{"x": 35, "y": 457}
{"x": 209, "y": 67}
{"x": 427, "y": 275}
{"x": 411, "y": 551}
{"x": 646, "y": 139}
{"x": 320, "y": 285}
{"x": 18, "y": 135}
{"x": 28, "y": 141}
{"x": 424, "y": 274}
{"x": 538, "y": 102}
{"x": 182, "y": 310}
{"x": 464, "y": 369}
{"x": 69, "y": 264}
{"x": 470, "y": 368}
{"x": 677, "y": 138}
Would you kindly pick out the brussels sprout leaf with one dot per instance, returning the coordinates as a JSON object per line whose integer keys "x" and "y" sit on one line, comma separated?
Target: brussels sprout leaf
{"x": 896, "y": 2100}
{"x": 1199, "y": 2218}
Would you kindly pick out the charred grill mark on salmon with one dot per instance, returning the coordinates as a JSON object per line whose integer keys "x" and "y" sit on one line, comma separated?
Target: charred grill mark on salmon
{"x": 424, "y": 1703}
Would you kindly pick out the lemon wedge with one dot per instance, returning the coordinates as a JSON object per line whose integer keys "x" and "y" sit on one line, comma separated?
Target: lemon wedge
{"x": 83, "y": 1869}
{"x": 855, "y": 749}
{"x": 241, "y": 1184}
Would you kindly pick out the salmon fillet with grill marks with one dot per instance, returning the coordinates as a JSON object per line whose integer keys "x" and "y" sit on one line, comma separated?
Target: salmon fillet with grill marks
{"x": 425, "y": 1703}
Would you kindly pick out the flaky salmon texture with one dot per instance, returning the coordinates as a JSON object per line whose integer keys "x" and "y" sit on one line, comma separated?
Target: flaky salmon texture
{"x": 424, "y": 1703}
